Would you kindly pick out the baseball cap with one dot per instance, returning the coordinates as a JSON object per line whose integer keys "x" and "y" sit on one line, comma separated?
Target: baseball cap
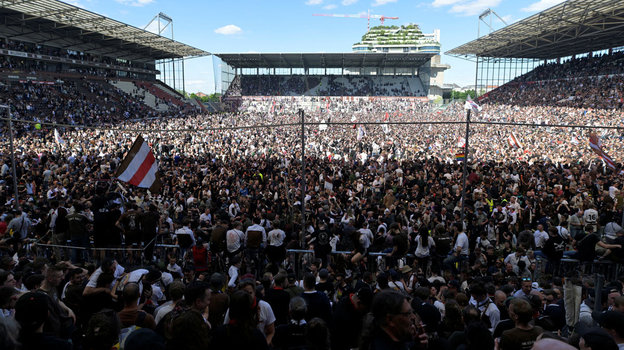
{"x": 612, "y": 320}
{"x": 597, "y": 338}
{"x": 454, "y": 283}
{"x": 31, "y": 310}
{"x": 365, "y": 295}
{"x": 144, "y": 339}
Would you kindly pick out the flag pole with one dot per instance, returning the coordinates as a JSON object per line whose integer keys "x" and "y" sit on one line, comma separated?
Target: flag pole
{"x": 303, "y": 179}
{"x": 465, "y": 176}
{"x": 10, "y": 119}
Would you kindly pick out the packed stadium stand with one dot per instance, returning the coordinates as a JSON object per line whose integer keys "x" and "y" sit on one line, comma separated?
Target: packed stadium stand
{"x": 111, "y": 71}
{"x": 327, "y": 85}
{"x": 587, "y": 82}
{"x": 390, "y": 238}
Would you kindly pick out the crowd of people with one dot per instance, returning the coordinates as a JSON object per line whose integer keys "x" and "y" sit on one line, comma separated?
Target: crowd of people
{"x": 385, "y": 260}
{"x": 15, "y": 61}
{"x": 594, "y": 82}
{"x": 325, "y": 85}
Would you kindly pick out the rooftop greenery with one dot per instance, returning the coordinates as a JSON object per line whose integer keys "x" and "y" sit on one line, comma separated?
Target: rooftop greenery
{"x": 409, "y": 34}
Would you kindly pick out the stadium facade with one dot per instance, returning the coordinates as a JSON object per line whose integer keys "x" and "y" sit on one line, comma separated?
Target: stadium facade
{"x": 569, "y": 30}
{"x": 388, "y": 61}
{"x": 48, "y": 41}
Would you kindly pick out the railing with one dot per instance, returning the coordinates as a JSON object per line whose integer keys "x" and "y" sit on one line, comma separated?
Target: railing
{"x": 294, "y": 257}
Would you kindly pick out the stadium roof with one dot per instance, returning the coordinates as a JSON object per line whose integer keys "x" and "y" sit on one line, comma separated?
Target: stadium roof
{"x": 325, "y": 60}
{"x": 57, "y": 24}
{"x": 572, "y": 27}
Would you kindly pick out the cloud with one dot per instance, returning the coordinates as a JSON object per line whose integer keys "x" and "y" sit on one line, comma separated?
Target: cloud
{"x": 440, "y": 3}
{"x": 382, "y": 2}
{"x": 75, "y": 3}
{"x": 314, "y": 2}
{"x": 473, "y": 8}
{"x": 135, "y": 3}
{"x": 329, "y": 7}
{"x": 348, "y": 2}
{"x": 508, "y": 19}
{"x": 541, "y": 5}
{"x": 229, "y": 29}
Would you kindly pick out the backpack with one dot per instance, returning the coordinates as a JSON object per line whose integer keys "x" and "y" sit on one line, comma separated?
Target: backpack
{"x": 125, "y": 332}
{"x": 322, "y": 238}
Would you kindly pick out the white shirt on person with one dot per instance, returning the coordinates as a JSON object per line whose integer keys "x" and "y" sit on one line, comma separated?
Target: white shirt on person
{"x": 186, "y": 231}
{"x": 96, "y": 274}
{"x": 540, "y": 238}
{"x": 513, "y": 259}
{"x": 462, "y": 241}
{"x": 256, "y": 227}
{"x": 276, "y": 237}
{"x": 366, "y": 237}
{"x": 234, "y": 239}
{"x": 422, "y": 251}
{"x": 266, "y": 317}
{"x": 233, "y": 273}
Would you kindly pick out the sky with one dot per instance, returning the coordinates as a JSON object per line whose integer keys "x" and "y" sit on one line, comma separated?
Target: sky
{"x": 243, "y": 26}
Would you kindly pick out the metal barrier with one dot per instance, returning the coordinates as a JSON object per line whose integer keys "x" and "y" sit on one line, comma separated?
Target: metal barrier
{"x": 294, "y": 257}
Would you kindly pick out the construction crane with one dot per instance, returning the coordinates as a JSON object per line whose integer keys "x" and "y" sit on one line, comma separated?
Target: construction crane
{"x": 366, "y": 15}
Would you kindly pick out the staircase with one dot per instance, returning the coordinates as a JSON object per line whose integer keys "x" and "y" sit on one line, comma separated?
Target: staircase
{"x": 140, "y": 94}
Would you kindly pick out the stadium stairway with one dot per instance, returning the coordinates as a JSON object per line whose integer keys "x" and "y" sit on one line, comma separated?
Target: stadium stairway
{"x": 162, "y": 94}
{"x": 199, "y": 105}
{"x": 415, "y": 86}
{"x": 139, "y": 93}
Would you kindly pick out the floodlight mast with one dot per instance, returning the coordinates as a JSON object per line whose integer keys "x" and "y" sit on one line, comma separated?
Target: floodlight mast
{"x": 488, "y": 13}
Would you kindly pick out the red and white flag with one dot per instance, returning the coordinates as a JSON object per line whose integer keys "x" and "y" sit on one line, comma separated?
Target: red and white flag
{"x": 139, "y": 167}
{"x": 513, "y": 140}
{"x": 472, "y": 105}
{"x": 596, "y": 145}
{"x": 461, "y": 142}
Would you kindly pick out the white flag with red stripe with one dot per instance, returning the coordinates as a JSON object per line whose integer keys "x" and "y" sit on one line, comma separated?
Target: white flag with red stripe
{"x": 596, "y": 145}
{"x": 470, "y": 104}
{"x": 513, "y": 141}
{"x": 139, "y": 167}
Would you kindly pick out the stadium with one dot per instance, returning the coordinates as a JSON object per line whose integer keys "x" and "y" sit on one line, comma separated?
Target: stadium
{"x": 326, "y": 201}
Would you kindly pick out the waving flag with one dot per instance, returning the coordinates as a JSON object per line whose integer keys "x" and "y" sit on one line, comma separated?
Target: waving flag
{"x": 470, "y": 104}
{"x": 139, "y": 167}
{"x": 513, "y": 140}
{"x": 461, "y": 142}
{"x": 361, "y": 132}
{"x": 58, "y": 139}
{"x": 596, "y": 145}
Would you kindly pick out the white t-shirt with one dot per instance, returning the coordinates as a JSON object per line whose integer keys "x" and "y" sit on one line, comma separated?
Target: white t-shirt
{"x": 163, "y": 310}
{"x": 422, "y": 251}
{"x": 96, "y": 274}
{"x": 276, "y": 237}
{"x": 462, "y": 241}
{"x": 366, "y": 237}
{"x": 540, "y": 238}
{"x": 233, "y": 273}
{"x": 266, "y": 316}
{"x": 234, "y": 239}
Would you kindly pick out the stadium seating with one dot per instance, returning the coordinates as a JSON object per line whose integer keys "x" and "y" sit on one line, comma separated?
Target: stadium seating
{"x": 589, "y": 82}
{"x": 325, "y": 85}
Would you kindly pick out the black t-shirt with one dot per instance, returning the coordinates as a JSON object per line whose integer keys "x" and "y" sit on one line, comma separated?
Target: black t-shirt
{"x": 77, "y": 225}
{"x": 554, "y": 247}
{"x": 149, "y": 223}
{"x": 519, "y": 339}
{"x": 443, "y": 244}
{"x": 326, "y": 287}
{"x": 400, "y": 241}
{"x": 347, "y": 325}
{"x": 587, "y": 247}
